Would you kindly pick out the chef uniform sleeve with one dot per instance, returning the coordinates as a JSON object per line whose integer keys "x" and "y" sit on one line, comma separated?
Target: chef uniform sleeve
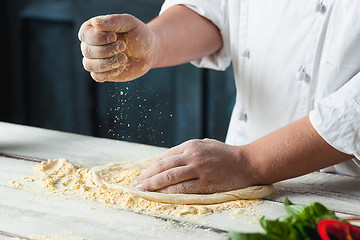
{"x": 216, "y": 12}
{"x": 337, "y": 118}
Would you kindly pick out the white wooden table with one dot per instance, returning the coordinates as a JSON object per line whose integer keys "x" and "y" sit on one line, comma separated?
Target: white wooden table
{"x": 25, "y": 213}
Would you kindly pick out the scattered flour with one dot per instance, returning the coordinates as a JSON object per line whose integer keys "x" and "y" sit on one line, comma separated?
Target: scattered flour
{"x": 61, "y": 176}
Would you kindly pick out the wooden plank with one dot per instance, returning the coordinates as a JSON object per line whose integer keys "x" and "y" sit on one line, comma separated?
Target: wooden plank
{"x": 23, "y": 213}
{"x": 84, "y": 150}
{"x": 11, "y": 169}
{"x": 18, "y": 157}
{"x": 247, "y": 222}
{"x": 26, "y": 213}
{"x": 30, "y": 145}
{"x": 7, "y": 235}
{"x": 339, "y": 193}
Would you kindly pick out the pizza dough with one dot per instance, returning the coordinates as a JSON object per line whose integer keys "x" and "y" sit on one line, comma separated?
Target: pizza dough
{"x": 107, "y": 176}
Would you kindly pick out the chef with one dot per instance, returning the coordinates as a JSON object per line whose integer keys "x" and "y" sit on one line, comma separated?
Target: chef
{"x": 296, "y": 66}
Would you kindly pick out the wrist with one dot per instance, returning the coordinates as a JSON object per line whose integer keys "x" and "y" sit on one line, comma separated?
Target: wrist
{"x": 156, "y": 36}
{"x": 248, "y": 165}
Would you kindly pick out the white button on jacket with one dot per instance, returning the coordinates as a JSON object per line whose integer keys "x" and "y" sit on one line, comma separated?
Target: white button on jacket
{"x": 320, "y": 7}
{"x": 245, "y": 53}
{"x": 282, "y": 36}
{"x": 301, "y": 75}
{"x": 242, "y": 116}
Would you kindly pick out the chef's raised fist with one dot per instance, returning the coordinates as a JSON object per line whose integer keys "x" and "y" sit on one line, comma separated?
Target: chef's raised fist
{"x": 116, "y": 47}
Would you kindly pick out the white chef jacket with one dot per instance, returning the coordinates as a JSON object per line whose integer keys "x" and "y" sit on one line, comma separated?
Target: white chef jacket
{"x": 291, "y": 59}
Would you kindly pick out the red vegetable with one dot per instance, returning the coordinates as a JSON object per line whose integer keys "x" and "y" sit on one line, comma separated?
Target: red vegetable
{"x": 330, "y": 228}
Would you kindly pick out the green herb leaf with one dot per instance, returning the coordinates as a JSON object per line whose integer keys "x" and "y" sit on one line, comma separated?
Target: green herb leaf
{"x": 292, "y": 209}
{"x": 300, "y": 223}
{"x": 287, "y": 202}
{"x": 281, "y": 229}
{"x": 248, "y": 236}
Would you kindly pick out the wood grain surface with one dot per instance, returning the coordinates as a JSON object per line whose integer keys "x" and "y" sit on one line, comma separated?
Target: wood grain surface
{"x": 25, "y": 213}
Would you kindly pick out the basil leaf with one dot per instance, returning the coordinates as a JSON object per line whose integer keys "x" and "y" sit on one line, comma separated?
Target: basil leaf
{"x": 292, "y": 209}
{"x": 300, "y": 223}
{"x": 314, "y": 212}
{"x": 248, "y": 236}
{"x": 281, "y": 229}
{"x": 287, "y": 202}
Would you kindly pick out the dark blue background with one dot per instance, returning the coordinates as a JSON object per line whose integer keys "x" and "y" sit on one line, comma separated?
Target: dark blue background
{"x": 43, "y": 83}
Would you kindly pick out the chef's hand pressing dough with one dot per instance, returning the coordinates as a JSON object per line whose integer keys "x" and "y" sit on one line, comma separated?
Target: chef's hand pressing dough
{"x": 116, "y": 47}
{"x": 115, "y": 177}
{"x": 198, "y": 166}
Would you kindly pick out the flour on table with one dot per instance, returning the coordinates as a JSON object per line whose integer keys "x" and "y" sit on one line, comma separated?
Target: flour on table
{"x": 61, "y": 176}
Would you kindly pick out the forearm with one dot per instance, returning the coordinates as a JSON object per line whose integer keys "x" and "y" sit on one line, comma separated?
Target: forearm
{"x": 182, "y": 36}
{"x": 292, "y": 151}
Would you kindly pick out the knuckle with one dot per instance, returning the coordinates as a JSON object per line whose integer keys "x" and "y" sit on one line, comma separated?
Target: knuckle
{"x": 159, "y": 166}
{"x": 86, "y": 35}
{"x": 97, "y": 77}
{"x": 169, "y": 177}
{"x": 158, "y": 159}
{"x": 86, "y": 64}
{"x": 198, "y": 156}
{"x": 125, "y": 15}
{"x": 84, "y": 49}
{"x": 81, "y": 33}
{"x": 191, "y": 144}
{"x": 96, "y": 37}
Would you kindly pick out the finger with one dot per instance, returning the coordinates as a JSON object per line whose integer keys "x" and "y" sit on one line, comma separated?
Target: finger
{"x": 90, "y": 35}
{"x": 191, "y": 186}
{"x": 134, "y": 69}
{"x": 107, "y": 76}
{"x": 119, "y": 23}
{"x": 166, "y": 161}
{"x": 179, "y": 149}
{"x": 159, "y": 166}
{"x": 168, "y": 178}
{"x": 104, "y": 51}
{"x": 104, "y": 64}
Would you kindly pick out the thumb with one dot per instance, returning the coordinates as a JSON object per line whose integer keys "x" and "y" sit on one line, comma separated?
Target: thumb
{"x": 119, "y": 23}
